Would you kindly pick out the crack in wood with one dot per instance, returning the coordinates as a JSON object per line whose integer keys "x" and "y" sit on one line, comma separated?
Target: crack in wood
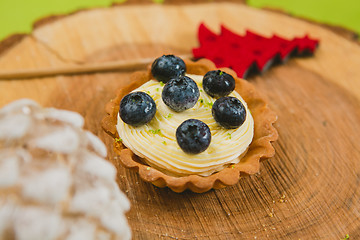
{"x": 53, "y": 51}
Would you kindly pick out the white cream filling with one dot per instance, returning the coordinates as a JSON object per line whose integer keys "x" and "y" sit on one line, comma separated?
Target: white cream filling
{"x": 156, "y": 141}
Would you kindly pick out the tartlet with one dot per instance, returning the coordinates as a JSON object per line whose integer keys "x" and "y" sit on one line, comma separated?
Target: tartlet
{"x": 260, "y": 147}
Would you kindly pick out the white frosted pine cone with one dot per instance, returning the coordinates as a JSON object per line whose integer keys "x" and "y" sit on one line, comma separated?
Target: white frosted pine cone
{"x": 54, "y": 180}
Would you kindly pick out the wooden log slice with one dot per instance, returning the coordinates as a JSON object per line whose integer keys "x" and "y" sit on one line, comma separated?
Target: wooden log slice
{"x": 308, "y": 190}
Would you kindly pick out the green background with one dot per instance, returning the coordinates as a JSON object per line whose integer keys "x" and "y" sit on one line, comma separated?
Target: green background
{"x": 17, "y": 16}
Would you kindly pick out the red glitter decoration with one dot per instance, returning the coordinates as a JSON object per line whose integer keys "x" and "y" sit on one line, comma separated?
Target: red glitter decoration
{"x": 251, "y": 52}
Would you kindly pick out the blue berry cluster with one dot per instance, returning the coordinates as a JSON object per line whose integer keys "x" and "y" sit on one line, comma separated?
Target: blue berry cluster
{"x": 181, "y": 93}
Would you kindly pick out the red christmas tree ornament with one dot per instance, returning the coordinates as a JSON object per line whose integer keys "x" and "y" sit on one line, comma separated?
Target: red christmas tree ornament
{"x": 251, "y": 52}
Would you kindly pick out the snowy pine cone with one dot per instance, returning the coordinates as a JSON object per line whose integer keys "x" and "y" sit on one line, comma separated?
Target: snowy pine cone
{"x": 54, "y": 180}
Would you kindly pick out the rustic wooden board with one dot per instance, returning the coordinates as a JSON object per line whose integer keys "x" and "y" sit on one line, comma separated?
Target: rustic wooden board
{"x": 309, "y": 190}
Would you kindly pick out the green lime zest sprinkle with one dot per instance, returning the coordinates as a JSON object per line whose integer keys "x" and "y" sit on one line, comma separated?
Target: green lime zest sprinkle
{"x": 148, "y": 92}
{"x": 169, "y": 115}
{"x": 118, "y": 139}
{"x": 209, "y": 103}
{"x": 204, "y": 102}
{"x": 229, "y": 135}
{"x": 221, "y": 73}
{"x": 164, "y": 142}
{"x": 157, "y": 131}
{"x": 157, "y": 89}
{"x": 162, "y": 84}
{"x": 346, "y": 237}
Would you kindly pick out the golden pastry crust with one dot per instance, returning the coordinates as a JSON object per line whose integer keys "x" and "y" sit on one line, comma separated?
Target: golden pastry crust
{"x": 260, "y": 147}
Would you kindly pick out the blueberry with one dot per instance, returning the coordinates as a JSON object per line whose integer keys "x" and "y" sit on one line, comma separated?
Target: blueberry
{"x": 229, "y": 112}
{"x": 167, "y": 67}
{"x": 180, "y": 93}
{"x": 137, "y": 108}
{"x": 193, "y": 136}
{"x": 218, "y": 83}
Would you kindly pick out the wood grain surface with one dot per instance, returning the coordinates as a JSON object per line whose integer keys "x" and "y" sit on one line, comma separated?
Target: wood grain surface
{"x": 308, "y": 190}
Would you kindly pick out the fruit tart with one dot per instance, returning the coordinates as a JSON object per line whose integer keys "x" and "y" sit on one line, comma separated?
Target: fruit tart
{"x": 188, "y": 125}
